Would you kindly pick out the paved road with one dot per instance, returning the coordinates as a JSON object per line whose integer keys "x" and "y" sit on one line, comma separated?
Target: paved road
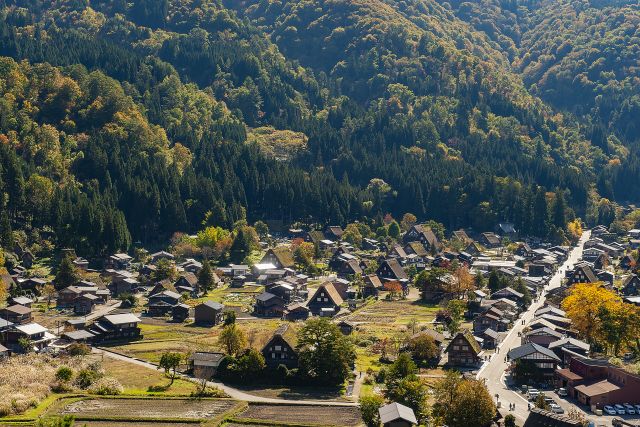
{"x": 493, "y": 371}
{"x": 232, "y": 392}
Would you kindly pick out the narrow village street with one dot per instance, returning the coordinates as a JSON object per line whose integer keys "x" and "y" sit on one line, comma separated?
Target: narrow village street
{"x": 494, "y": 371}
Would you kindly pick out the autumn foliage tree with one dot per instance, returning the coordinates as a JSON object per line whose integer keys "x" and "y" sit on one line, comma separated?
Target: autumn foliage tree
{"x": 394, "y": 288}
{"x": 462, "y": 402}
{"x": 463, "y": 281}
{"x": 423, "y": 347}
{"x": 601, "y": 317}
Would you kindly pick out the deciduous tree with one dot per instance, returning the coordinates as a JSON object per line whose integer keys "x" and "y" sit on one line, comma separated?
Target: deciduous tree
{"x": 423, "y": 347}
{"x": 325, "y": 354}
{"x": 169, "y": 362}
{"x": 462, "y": 402}
{"x": 583, "y": 304}
{"x": 369, "y": 406}
{"x": 232, "y": 339}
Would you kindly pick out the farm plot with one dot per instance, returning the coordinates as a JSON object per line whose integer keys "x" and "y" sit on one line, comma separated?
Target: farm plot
{"x": 383, "y": 318}
{"x": 303, "y": 414}
{"x": 139, "y": 424}
{"x": 194, "y": 409}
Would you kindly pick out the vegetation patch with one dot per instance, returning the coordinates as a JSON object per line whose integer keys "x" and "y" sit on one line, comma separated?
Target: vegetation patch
{"x": 278, "y": 144}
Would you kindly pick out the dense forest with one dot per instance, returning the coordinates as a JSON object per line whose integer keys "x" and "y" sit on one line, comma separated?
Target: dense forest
{"x": 131, "y": 120}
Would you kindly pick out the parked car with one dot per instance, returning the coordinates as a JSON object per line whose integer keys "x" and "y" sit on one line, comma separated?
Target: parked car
{"x": 556, "y": 408}
{"x": 610, "y": 410}
{"x": 549, "y": 399}
{"x": 619, "y": 409}
{"x": 533, "y": 393}
{"x": 638, "y": 409}
{"x": 631, "y": 410}
{"x": 562, "y": 392}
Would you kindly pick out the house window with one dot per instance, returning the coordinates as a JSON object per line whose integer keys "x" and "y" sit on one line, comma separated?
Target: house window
{"x": 456, "y": 347}
{"x": 465, "y": 347}
{"x": 278, "y": 348}
{"x": 273, "y": 355}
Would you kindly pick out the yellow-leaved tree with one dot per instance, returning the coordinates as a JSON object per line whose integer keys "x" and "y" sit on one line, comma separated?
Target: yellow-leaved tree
{"x": 602, "y": 317}
{"x": 583, "y": 305}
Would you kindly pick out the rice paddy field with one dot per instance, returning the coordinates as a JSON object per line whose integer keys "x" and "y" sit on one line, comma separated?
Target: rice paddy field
{"x": 141, "y": 409}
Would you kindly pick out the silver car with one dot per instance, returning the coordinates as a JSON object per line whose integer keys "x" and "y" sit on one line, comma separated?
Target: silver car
{"x": 556, "y": 408}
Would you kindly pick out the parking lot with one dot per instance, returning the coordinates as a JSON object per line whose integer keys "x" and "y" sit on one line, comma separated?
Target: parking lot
{"x": 569, "y": 404}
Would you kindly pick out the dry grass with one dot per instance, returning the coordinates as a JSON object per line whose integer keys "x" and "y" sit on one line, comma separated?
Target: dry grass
{"x": 160, "y": 337}
{"x": 241, "y": 298}
{"x": 386, "y": 318}
{"x": 24, "y": 382}
{"x": 139, "y": 380}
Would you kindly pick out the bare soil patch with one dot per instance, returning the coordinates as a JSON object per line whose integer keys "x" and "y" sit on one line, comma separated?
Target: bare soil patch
{"x": 314, "y": 415}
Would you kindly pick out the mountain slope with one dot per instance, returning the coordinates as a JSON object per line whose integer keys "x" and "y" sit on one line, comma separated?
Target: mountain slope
{"x": 402, "y": 107}
{"x": 580, "y": 56}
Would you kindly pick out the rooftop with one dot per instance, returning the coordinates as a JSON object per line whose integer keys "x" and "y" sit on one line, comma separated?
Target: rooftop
{"x": 396, "y": 411}
{"x": 118, "y": 319}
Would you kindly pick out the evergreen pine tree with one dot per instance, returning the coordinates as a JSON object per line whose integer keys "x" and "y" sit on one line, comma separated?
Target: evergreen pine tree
{"x": 66, "y": 275}
{"x": 205, "y": 277}
{"x": 540, "y": 214}
{"x": 6, "y": 236}
{"x": 559, "y": 210}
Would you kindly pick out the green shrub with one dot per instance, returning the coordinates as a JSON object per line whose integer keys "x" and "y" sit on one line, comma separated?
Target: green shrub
{"x": 78, "y": 349}
{"x": 86, "y": 377}
{"x": 64, "y": 374}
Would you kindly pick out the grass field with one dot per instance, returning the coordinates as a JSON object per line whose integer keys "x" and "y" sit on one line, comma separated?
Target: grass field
{"x": 241, "y": 298}
{"x": 160, "y": 336}
{"x": 138, "y": 380}
{"x": 386, "y": 318}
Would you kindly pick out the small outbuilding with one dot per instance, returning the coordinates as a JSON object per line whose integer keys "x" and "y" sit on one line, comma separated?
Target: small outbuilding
{"x": 397, "y": 415}
{"x": 209, "y": 313}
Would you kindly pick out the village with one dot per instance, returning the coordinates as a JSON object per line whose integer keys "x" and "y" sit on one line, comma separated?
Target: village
{"x": 493, "y": 307}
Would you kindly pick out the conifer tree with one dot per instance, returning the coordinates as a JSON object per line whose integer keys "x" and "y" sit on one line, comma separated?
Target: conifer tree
{"x": 66, "y": 275}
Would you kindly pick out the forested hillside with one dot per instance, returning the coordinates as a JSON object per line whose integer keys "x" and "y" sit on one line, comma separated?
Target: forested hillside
{"x": 124, "y": 121}
{"x": 580, "y": 56}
